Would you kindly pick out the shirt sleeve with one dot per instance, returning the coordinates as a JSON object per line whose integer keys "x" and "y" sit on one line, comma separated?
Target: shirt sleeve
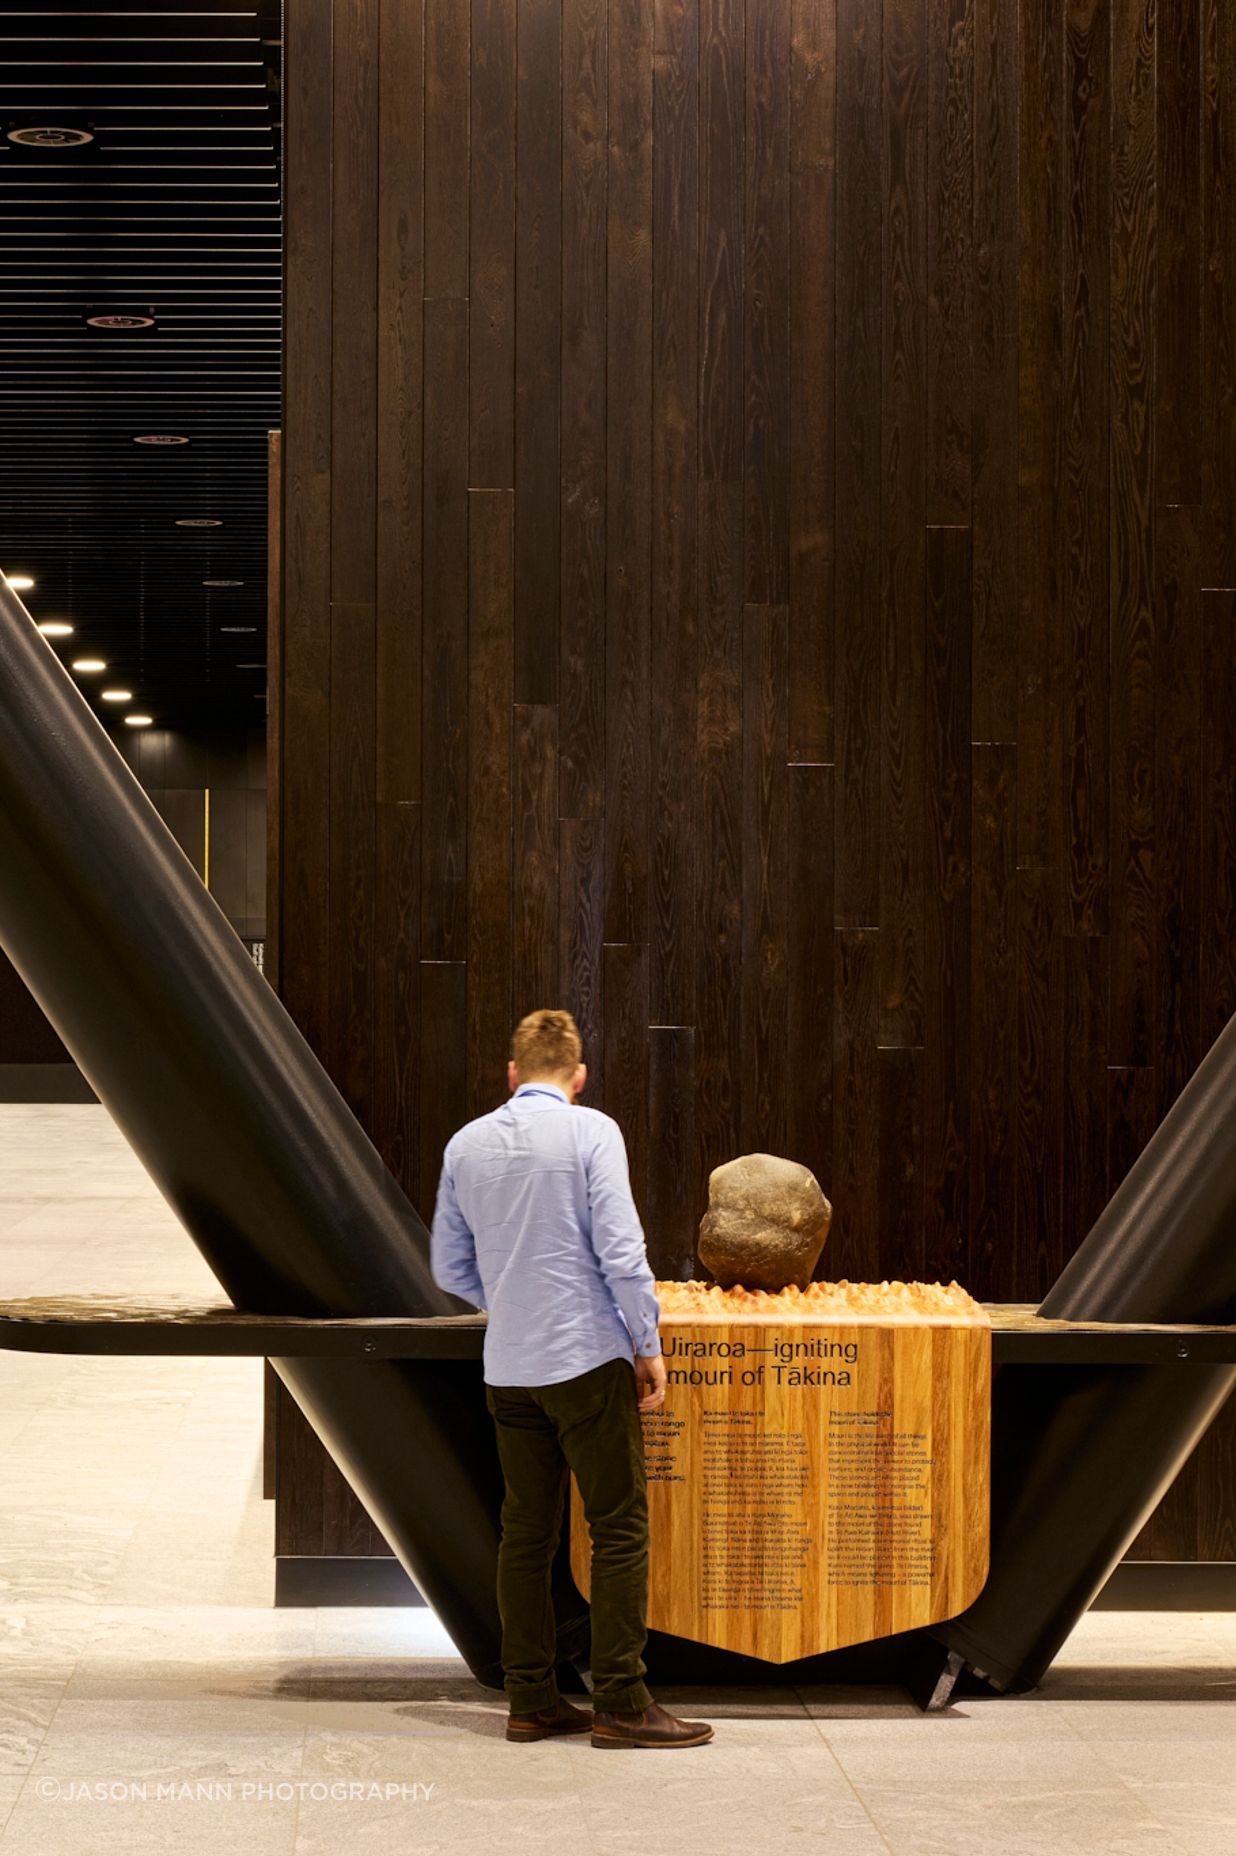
{"x": 618, "y": 1240}
{"x": 452, "y": 1247}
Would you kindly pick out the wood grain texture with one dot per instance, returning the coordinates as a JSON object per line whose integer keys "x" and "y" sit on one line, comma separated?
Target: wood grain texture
{"x": 810, "y": 410}
{"x": 1085, "y": 508}
{"x": 764, "y": 1486}
{"x": 765, "y": 884}
{"x": 1132, "y": 533}
{"x": 857, "y": 468}
{"x": 1218, "y": 370}
{"x": 903, "y": 417}
{"x": 538, "y": 338}
{"x": 585, "y": 172}
{"x": 757, "y": 558}
{"x": 492, "y": 246}
{"x": 491, "y": 683}
{"x": 399, "y": 437}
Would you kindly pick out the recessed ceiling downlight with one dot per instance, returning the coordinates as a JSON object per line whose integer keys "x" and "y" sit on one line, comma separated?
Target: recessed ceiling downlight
{"x": 120, "y": 319}
{"x": 160, "y": 438}
{"x": 138, "y": 721}
{"x": 116, "y": 695}
{"x": 198, "y": 522}
{"x": 49, "y": 137}
{"x": 85, "y": 666}
{"x": 238, "y": 628}
{"x": 20, "y": 583}
{"x": 56, "y": 628}
{"x": 223, "y": 583}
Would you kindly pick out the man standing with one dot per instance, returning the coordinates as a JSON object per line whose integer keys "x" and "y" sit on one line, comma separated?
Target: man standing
{"x": 535, "y": 1223}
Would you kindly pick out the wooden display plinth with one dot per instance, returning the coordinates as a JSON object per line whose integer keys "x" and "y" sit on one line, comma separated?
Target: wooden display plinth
{"x": 814, "y": 1483}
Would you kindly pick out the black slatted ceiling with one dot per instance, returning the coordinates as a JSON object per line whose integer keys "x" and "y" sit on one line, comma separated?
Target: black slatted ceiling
{"x": 173, "y": 210}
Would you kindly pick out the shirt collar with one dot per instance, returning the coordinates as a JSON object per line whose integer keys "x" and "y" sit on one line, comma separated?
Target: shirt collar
{"x": 543, "y": 1089}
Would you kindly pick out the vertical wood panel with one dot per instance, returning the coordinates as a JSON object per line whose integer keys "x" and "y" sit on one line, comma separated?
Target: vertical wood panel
{"x": 1218, "y": 429}
{"x": 721, "y": 240}
{"x": 1040, "y": 1053}
{"x": 538, "y": 335}
{"x": 1084, "y": 487}
{"x": 765, "y": 879}
{"x": 399, "y": 438}
{"x": 395, "y": 1113}
{"x": 491, "y": 685}
{"x": 534, "y": 858}
{"x": 354, "y": 287}
{"x": 856, "y": 1117}
{"x": 581, "y": 937}
{"x": 353, "y": 849}
{"x": 673, "y": 1190}
{"x": 1178, "y": 314}
{"x": 810, "y": 408}
{"x": 491, "y": 248}
{"x": 675, "y": 471}
{"x": 1218, "y": 814}
{"x": 995, "y": 450}
{"x": 629, "y": 447}
{"x": 304, "y": 700}
{"x": 946, "y": 937}
{"x": 1132, "y": 533}
{"x": 902, "y": 517}
{"x": 443, "y": 1046}
{"x": 950, "y": 208}
{"x": 1178, "y": 800}
{"x": 581, "y": 670}
{"x": 1040, "y": 368}
{"x": 447, "y": 118}
{"x": 858, "y": 470}
{"x": 809, "y": 978}
{"x": 718, "y": 1054}
{"x": 766, "y": 241}
{"x": 625, "y": 984}
{"x": 444, "y": 671}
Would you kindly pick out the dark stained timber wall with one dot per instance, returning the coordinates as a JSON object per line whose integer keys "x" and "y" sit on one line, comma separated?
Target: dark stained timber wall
{"x": 759, "y": 565}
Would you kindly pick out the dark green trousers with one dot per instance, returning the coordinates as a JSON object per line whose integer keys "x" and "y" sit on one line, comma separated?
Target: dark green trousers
{"x": 590, "y": 1426}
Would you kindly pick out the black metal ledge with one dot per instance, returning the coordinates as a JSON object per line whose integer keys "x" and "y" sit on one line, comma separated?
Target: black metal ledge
{"x": 102, "y": 1325}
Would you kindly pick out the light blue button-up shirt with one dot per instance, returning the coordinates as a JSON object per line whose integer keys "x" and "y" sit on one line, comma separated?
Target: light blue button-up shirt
{"x": 535, "y": 1223}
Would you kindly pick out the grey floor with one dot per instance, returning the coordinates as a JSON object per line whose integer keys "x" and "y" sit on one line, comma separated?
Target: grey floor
{"x": 151, "y": 1698}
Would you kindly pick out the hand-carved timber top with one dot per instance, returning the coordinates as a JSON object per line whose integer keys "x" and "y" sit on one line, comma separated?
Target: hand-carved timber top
{"x": 832, "y": 1302}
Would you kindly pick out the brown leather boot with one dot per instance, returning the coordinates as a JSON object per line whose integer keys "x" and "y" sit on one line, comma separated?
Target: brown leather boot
{"x": 542, "y": 1722}
{"x": 650, "y": 1726}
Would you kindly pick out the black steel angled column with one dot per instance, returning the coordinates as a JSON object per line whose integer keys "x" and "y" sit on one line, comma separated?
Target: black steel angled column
{"x": 240, "y": 1127}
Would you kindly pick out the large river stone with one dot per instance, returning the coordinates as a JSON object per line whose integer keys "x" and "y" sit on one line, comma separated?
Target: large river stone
{"x": 765, "y": 1225}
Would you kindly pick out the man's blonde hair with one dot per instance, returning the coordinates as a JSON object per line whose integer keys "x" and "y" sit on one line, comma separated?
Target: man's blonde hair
{"x": 546, "y": 1043}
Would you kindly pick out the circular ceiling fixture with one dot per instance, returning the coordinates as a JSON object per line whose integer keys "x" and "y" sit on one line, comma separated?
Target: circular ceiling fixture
{"x": 20, "y": 583}
{"x": 121, "y": 319}
{"x": 138, "y": 721}
{"x": 160, "y": 438}
{"x": 56, "y": 628}
{"x": 198, "y": 522}
{"x": 86, "y": 666}
{"x": 49, "y": 137}
{"x": 223, "y": 583}
{"x": 117, "y": 695}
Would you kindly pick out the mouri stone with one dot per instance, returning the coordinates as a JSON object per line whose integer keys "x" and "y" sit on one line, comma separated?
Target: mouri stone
{"x": 766, "y": 1223}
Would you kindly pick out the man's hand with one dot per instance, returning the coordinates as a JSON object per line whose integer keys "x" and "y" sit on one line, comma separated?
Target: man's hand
{"x": 649, "y": 1380}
